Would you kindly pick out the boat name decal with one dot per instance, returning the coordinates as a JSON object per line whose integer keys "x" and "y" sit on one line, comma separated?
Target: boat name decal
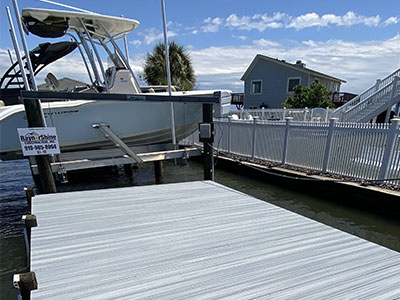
{"x": 136, "y": 98}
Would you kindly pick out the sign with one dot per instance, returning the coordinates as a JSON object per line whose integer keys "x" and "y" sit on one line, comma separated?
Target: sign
{"x": 38, "y": 141}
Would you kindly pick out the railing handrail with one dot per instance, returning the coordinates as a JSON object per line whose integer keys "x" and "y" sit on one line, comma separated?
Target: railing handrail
{"x": 368, "y": 98}
{"x": 381, "y": 84}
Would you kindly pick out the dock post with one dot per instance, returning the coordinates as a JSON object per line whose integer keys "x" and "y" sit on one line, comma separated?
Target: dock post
{"x": 29, "y": 192}
{"x": 25, "y": 283}
{"x": 159, "y": 171}
{"x": 35, "y": 119}
{"x": 29, "y": 221}
{"x": 207, "y": 142}
{"x": 128, "y": 170}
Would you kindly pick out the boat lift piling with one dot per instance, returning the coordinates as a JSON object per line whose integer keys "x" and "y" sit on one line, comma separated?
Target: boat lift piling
{"x": 33, "y": 108}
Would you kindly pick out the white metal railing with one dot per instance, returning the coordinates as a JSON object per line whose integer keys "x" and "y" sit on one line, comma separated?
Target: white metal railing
{"x": 368, "y": 98}
{"x": 362, "y": 151}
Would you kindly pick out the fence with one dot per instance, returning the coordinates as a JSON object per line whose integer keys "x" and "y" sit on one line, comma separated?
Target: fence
{"x": 362, "y": 151}
{"x": 280, "y": 114}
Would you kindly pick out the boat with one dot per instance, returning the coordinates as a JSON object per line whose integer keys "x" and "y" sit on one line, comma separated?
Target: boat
{"x": 135, "y": 123}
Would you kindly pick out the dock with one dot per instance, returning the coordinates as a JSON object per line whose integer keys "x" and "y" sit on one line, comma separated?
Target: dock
{"x": 197, "y": 240}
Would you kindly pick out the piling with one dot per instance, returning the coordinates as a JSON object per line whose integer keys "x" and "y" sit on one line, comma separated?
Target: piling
{"x": 159, "y": 171}
{"x": 207, "y": 143}
{"x": 35, "y": 119}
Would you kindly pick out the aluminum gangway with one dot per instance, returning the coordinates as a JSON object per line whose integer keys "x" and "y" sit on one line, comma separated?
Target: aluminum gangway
{"x": 372, "y": 102}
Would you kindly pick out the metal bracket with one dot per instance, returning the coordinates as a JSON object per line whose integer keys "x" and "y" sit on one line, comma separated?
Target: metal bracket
{"x": 117, "y": 141}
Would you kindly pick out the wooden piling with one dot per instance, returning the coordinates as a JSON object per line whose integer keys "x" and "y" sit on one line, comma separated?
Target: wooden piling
{"x": 29, "y": 192}
{"x": 25, "y": 282}
{"x": 159, "y": 171}
{"x": 35, "y": 119}
{"x": 128, "y": 170}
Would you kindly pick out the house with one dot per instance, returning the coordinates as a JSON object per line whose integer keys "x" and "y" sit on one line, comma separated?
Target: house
{"x": 269, "y": 81}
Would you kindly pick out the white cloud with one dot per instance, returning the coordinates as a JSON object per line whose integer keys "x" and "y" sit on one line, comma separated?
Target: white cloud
{"x": 240, "y": 37}
{"x": 390, "y": 21}
{"x": 136, "y": 42}
{"x": 211, "y": 25}
{"x": 152, "y": 35}
{"x": 256, "y": 22}
{"x": 261, "y": 22}
{"x": 349, "y": 19}
{"x": 265, "y": 43}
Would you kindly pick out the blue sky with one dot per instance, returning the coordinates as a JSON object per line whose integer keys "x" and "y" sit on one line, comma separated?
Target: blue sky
{"x": 358, "y": 41}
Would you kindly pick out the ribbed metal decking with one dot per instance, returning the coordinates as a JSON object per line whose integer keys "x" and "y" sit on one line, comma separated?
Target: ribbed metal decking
{"x": 197, "y": 240}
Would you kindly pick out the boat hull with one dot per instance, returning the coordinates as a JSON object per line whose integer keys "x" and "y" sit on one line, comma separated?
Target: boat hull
{"x": 139, "y": 123}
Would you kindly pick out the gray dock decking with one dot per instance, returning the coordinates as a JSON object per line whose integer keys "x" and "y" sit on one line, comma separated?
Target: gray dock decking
{"x": 197, "y": 240}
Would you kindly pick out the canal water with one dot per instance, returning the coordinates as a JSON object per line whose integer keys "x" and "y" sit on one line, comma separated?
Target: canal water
{"x": 15, "y": 175}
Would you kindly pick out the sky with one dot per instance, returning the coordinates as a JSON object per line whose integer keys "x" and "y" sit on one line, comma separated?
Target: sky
{"x": 357, "y": 41}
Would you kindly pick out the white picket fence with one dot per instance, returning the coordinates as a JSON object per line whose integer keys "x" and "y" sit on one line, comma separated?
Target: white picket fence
{"x": 280, "y": 114}
{"x": 362, "y": 151}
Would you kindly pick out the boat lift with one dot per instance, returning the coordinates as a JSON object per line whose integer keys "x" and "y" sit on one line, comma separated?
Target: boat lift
{"x": 122, "y": 154}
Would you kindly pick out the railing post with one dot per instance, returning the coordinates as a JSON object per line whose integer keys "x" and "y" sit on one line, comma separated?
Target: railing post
{"x": 389, "y": 150}
{"x": 305, "y": 114}
{"x": 378, "y": 82}
{"x": 229, "y": 134}
{"x": 389, "y": 110}
{"x": 262, "y": 113}
{"x": 286, "y": 139}
{"x": 284, "y": 113}
{"x": 253, "y": 145}
{"x": 327, "y": 115}
{"x": 328, "y": 146}
{"x": 397, "y": 109}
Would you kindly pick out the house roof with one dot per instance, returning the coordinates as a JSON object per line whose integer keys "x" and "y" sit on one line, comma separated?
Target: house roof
{"x": 289, "y": 65}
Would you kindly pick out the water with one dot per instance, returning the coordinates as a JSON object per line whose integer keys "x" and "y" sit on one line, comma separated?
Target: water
{"x": 15, "y": 175}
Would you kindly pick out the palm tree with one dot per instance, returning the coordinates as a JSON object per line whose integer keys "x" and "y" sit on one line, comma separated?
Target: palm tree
{"x": 182, "y": 73}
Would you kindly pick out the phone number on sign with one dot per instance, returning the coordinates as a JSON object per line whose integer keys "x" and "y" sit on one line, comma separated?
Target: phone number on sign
{"x": 40, "y": 147}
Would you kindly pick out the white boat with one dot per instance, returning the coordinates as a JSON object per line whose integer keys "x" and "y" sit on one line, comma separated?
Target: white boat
{"x": 136, "y": 123}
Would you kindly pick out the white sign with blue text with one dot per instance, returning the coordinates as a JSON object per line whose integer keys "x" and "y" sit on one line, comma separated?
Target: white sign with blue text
{"x": 38, "y": 141}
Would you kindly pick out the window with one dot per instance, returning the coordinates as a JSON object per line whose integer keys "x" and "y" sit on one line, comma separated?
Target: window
{"x": 256, "y": 87}
{"x": 292, "y": 82}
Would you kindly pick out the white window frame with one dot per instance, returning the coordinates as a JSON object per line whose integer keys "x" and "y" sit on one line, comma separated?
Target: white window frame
{"x": 252, "y": 87}
{"x": 287, "y": 85}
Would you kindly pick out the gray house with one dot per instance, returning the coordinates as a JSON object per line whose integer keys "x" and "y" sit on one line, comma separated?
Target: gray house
{"x": 269, "y": 81}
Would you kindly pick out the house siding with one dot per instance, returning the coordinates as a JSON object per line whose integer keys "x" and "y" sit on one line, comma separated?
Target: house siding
{"x": 274, "y": 84}
{"x": 329, "y": 84}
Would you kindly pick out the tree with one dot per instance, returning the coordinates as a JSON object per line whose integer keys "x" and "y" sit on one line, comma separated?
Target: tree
{"x": 316, "y": 96}
{"x": 182, "y": 73}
